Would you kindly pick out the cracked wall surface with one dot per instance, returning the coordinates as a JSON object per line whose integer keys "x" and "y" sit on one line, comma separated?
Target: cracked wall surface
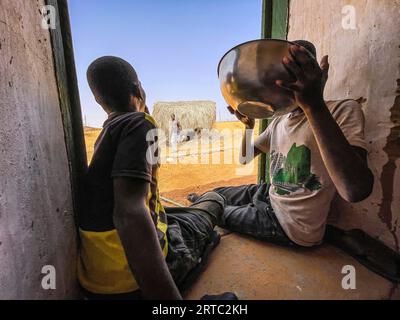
{"x": 36, "y": 216}
{"x": 364, "y": 63}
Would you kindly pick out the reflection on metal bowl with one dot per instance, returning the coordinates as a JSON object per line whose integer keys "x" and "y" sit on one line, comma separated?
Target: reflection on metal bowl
{"x": 247, "y": 75}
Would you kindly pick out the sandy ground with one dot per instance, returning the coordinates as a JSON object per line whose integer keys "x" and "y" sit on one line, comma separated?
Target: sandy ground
{"x": 184, "y": 173}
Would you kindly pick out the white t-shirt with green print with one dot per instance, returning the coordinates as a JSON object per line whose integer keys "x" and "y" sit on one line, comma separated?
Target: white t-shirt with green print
{"x": 301, "y": 188}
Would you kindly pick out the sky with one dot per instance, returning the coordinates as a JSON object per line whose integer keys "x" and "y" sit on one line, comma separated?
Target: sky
{"x": 174, "y": 45}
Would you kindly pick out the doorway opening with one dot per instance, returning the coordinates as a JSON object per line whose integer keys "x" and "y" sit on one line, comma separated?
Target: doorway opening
{"x": 175, "y": 48}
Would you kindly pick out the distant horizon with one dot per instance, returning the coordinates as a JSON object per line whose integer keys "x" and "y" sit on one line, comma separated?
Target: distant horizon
{"x": 175, "y": 45}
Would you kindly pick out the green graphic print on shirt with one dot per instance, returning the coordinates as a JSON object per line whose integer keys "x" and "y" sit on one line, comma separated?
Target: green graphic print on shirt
{"x": 292, "y": 174}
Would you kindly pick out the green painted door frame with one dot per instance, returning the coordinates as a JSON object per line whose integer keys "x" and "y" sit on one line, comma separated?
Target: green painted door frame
{"x": 275, "y": 17}
{"x": 67, "y": 83}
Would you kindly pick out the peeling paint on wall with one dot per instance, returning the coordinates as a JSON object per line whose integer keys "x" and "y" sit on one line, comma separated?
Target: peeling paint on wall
{"x": 392, "y": 149}
{"x": 364, "y": 63}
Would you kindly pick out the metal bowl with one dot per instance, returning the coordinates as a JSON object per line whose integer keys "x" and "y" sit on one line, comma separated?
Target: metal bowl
{"x": 247, "y": 75}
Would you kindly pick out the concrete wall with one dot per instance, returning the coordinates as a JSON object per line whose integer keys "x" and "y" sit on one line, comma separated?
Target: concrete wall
{"x": 364, "y": 63}
{"x": 36, "y": 216}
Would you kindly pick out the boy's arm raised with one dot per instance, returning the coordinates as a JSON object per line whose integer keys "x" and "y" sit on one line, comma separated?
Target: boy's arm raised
{"x": 139, "y": 239}
{"x": 346, "y": 164}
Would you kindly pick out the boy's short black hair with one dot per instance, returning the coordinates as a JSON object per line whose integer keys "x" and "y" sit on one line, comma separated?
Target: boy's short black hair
{"x": 308, "y": 45}
{"x": 115, "y": 80}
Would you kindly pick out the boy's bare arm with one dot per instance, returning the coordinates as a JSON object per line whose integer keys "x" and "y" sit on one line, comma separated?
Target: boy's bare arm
{"x": 249, "y": 124}
{"x": 347, "y": 165}
{"x": 139, "y": 239}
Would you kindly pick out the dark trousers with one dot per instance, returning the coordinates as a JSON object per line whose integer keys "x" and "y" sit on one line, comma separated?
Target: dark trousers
{"x": 191, "y": 234}
{"x": 248, "y": 210}
{"x": 191, "y": 237}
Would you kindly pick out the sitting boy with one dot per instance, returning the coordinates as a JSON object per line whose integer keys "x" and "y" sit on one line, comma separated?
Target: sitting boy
{"x": 131, "y": 246}
{"x": 314, "y": 152}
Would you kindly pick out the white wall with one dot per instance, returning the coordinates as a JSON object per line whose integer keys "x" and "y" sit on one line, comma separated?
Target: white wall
{"x": 364, "y": 63}
{"x": 36, "y": 217}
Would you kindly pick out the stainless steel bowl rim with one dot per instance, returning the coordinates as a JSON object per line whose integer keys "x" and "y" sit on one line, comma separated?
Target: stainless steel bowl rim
{"x": 247, "y": 42}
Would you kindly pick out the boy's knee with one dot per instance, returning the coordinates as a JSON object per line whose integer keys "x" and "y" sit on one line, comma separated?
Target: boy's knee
{"x": 214, "y": 197}
{"x": 211, "y": 202}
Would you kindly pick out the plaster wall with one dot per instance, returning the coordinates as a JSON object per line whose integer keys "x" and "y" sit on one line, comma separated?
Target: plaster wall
{"x": 36, "y": 216}
{"x": 365, "y": 63}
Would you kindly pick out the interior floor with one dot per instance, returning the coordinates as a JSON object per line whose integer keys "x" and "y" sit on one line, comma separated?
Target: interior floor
{"x": 258, "y": 270}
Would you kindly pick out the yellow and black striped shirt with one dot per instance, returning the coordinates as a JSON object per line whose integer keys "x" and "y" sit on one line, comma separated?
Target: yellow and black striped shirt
{"x": 120, "y": 151}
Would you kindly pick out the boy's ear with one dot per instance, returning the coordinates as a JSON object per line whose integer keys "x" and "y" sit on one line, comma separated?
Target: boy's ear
{"x": 101, "y": 102}
{"x": 141, "y": 92}
{"x": 138, "y": 103}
